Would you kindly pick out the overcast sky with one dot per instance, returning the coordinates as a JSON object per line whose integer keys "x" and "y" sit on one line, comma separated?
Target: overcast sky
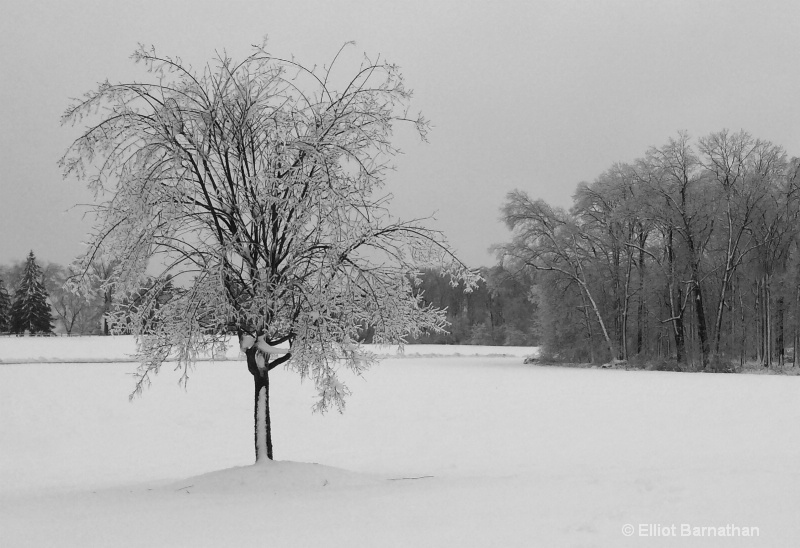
{"x": 524, "y": 94}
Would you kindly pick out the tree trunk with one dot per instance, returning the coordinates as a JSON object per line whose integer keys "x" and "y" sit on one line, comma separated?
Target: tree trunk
{"x": 619, "y": 321}
{"x": 675, "y": 308}
{"x": 796, "y": 324}
{"x": 106, "y": 310}
{"x": 261, "y": 418}
{"x": 676, "y": 314}
{"x": 743, "y": 342}
{"x": 759, "y": 323}
{"x": 609, "y": 342}
{"x": 585, "y": 286}
{"x": 626, "y": 308}
{"x": 702, "y": 333}
{"x": 727, "y": 275}
{"x": 767, "y": 322}
{"x": 690, "y": 335}
{"x": 697, "y": 292}
{"x": 780, "y": 342}
{"x": 720, "y": 311}
{"x": 731, "y": 338}
{"x": 640, "y": 313}
{"x": 588, "y": 322}
{"x": 680, "y": 344}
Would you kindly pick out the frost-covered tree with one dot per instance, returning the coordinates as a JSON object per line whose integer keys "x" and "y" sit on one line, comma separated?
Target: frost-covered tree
{"x": 77, "y": 313}
{"x": 5, "y": 308}
{"x": 99, "y": 273}
{"x": 30, "y": 310}
{"x": 550, "y": 239}
{"x": 256, "y": 187}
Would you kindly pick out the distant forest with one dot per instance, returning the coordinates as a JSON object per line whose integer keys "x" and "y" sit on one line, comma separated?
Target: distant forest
{"x": 498, "y": 312}
{"x": 71, "y": 313}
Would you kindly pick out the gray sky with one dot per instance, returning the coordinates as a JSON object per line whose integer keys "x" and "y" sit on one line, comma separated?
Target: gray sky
{"x": 523, "y": 94}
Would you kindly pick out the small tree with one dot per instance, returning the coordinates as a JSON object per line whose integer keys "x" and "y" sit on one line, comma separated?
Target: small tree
{"x": 30, "y": 311}
{"x": 5, "y": 309}
{"x": 256, "y": 185}
{"x": 76, "y": 312}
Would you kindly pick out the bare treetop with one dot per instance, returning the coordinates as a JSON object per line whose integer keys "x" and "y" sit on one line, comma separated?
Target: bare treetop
{"x": 256, "y": 187}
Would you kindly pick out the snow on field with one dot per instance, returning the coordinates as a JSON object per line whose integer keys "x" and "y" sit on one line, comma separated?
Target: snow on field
{"x": 448, "y": 451}
{"x": 122, "y": 348}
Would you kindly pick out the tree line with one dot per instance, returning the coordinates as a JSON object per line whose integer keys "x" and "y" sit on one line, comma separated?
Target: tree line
{"x": 41, "y": 300}
{"x": 500, "y": 310}
{"x": 690, "y": 253}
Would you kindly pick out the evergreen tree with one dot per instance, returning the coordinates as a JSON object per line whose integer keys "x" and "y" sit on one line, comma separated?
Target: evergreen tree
{"x": 30, "y": 311}
{"x": 5, "y": 308}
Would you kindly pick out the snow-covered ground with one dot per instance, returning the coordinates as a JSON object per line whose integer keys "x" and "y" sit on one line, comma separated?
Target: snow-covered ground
{"x": 431, "y": 451}
{"x": 122, "y": 348}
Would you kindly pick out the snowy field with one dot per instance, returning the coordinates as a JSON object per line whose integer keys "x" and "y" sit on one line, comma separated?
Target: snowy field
{"x": 115, "y": 349}
{"x": 461, "y": 451}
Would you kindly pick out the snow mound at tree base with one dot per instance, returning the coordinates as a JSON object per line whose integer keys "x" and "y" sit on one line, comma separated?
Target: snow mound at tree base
{"x": 274, "y": 477}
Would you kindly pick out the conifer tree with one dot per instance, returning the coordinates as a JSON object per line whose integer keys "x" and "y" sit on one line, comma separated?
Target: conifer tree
{"x": 30, "y": 311}
{"x": 5, "y": 308}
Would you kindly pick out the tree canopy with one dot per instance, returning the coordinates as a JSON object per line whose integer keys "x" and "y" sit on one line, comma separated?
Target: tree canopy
{"x": 255, "y": 186}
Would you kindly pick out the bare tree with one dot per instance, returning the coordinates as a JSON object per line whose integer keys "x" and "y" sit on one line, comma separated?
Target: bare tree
{"x": 549, "y": 239}
{"x": 688, "y": 211}
{"x": 255, "y": 186}
{"x": 70, "y": 307}
{"x": 745, "y": 170}
{"x": 608, "y": 211}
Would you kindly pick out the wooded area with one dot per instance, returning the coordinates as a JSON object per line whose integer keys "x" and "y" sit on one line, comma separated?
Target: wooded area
{"x": 70, "y": 312}
{"x": 688, "y": 253}
{"x": 498, "y": 311}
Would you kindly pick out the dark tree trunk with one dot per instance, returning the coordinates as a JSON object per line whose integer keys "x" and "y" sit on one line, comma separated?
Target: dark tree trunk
{"x": 675, "y": 305}
{"x": 702, "y": 333}
{"x": 259, "y": 365}
{"x": 767, "y": 322}
{"x": 106, "y": 310}
{"x": 759, "y": 323}
{"x": 780, "y": 342}
{"x": 640, "y": 313}
{"x": 743, "y": 339}
{"x": 619, "y": 321}
{"x": 261, "y": 418}
{"x": 680, "y": 344}
{"x": 796, "y": 338}
{"x": 588, "y": 323}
